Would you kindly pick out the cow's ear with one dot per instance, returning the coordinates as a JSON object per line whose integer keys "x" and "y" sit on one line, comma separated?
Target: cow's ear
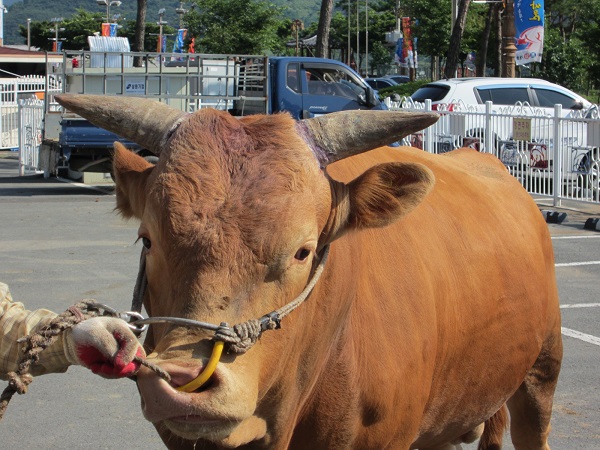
{"x": 378, "y": 197}
{"x": 387, "y": 192}
{"x": 131, "y": 172}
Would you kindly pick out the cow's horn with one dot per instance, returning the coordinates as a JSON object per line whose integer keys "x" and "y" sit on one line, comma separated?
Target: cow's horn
{"x": 339, "y": 135}
{"x": 141, "y": 120}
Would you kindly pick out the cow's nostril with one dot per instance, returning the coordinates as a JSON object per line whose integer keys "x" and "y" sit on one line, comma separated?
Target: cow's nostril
{"x": 207, "y": 371}
{"x": 206, "y": 386}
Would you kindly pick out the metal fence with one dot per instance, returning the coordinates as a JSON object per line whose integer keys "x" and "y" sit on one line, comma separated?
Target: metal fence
{"x": 11, "y": 91}
{"x": 542, "y": 150}
{"x": 31, "y": 123}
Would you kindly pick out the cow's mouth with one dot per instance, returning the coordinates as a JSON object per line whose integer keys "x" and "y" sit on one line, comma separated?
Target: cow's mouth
{"x": 217, "y": 411}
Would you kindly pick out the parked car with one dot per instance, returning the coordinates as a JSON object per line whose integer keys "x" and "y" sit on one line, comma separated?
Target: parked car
{"x": 500, "y": 91}
{"x": 399, "y": 78}
{"x": 380, "y": 83}
{"x": 522, "y": 132}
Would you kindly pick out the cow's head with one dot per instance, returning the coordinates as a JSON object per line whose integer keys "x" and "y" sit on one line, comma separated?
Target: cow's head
{"x": 233, "y": 217}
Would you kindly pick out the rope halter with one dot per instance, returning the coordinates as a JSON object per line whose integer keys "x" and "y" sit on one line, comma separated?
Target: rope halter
{"x": 239, "y": 338}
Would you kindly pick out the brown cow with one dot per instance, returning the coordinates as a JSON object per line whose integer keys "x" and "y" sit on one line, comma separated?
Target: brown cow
{"x": 437, "y": 305}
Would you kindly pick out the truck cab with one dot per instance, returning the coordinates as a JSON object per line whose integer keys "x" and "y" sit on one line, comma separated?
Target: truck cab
{"x": 242, "y": 85}
{"x": 309, "y": 87}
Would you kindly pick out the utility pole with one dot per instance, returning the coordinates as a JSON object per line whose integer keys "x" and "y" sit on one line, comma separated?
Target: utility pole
{"x": 509, "y": 49}
{"x": 297, "y": 25}
{"x": 180, "y": 12}
{"x": 3, "y": 11}
{"x": 357, "y": 40}
{"x": 160, "y": 23}
{"x": 28, "y": 34}
{"x": 56, "y": 21}
{"x": 453, "y": 22}
{"x": 349, "y": 49}
{"x": 366, "y": 38}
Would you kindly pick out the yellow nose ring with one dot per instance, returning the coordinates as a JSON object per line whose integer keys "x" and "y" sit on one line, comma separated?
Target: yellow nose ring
{"x": 208, "y": 370}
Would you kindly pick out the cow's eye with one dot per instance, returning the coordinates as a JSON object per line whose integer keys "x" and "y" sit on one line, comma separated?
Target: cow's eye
{"x": 302, "y": 254}
{"x": 146, "y": 243}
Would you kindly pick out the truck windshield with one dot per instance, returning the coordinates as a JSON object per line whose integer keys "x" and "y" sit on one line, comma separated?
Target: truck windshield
{"x": 334, "y": 81}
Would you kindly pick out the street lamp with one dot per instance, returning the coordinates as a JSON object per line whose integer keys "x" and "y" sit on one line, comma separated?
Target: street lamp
{"x": 56, "y": 21}
{"x": 180, "y": 12}
{"x": 160, "y": 23}
{"x": 28, "y": 34}
{"x": 108, "y": 4}
{"x": 509, "y": 49}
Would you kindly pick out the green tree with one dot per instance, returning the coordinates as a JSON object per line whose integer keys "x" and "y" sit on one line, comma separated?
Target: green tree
{"x": 565, "y": 61}
{"x": 380, "y": 58}
{"x": 235, "y": 26}
{"x": 76, "y": 30}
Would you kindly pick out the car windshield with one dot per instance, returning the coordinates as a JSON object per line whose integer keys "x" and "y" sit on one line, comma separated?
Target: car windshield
{"x": 434, "y": 92}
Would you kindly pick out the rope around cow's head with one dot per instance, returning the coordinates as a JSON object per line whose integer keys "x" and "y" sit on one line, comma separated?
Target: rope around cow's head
{"x": 239, "y": 338}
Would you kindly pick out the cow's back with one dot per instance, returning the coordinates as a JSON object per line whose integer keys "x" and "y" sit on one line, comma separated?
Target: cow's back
{"x": 454, "y": 301}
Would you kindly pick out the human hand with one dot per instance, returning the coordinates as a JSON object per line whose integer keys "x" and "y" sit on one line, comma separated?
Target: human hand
{"x": 105, "y": 345}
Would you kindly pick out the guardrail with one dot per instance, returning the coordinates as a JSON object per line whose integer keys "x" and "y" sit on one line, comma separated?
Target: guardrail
{"x": 541, "y": 150}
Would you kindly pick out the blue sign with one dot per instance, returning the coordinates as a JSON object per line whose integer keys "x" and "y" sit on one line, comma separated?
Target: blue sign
{"x": 529, "y": 23}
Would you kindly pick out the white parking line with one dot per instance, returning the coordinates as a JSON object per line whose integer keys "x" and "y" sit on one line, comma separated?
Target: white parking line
{"x": 595, "y": 236}
{"x": 583, "y": 263}
{"x": 580, "y": 305}
{"x": 102, "y": 189}
{"x": 581, "y": 336}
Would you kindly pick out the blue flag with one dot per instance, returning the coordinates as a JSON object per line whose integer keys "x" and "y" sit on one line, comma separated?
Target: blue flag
{"x": 529, "y": 23}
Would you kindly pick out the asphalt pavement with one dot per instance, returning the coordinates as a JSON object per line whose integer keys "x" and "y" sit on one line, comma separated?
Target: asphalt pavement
{"x": 61, "y": 242}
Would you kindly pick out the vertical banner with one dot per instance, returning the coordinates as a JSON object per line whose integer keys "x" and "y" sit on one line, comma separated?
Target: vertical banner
{"x": 408, "y": 50}
{"x": 179, "y": 40}
{"x": 113, "y": 29}
{"x": 529, "y": 23}
{"x": 399, "y": 55}
{"x": 161, "y": 44}
{"x": 106, "y": 29}
{"x": 415, "y": 41}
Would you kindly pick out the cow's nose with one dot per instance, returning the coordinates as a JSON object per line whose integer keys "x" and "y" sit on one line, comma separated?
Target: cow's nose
{"x": 181, "y": 372}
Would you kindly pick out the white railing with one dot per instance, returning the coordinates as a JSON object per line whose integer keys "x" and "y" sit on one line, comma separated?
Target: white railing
{"x": 31, "y": 123}
{"x": 541, "y": 150}
{"x": 11, "y": 91}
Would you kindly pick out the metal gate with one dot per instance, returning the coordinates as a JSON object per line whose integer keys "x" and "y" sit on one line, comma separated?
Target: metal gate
{"x": 31, "y": 123}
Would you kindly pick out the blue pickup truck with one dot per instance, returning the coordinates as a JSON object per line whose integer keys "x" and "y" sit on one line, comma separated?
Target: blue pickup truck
{"x": 304, "y": 87}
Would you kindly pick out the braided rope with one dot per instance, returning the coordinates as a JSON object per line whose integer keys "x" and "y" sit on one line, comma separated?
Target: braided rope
{"x": 19, "y": 381}
{"x": 35, "y": 343}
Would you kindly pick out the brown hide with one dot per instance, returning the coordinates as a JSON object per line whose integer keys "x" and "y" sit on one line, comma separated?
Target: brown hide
{"x": 424, "y": 324}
